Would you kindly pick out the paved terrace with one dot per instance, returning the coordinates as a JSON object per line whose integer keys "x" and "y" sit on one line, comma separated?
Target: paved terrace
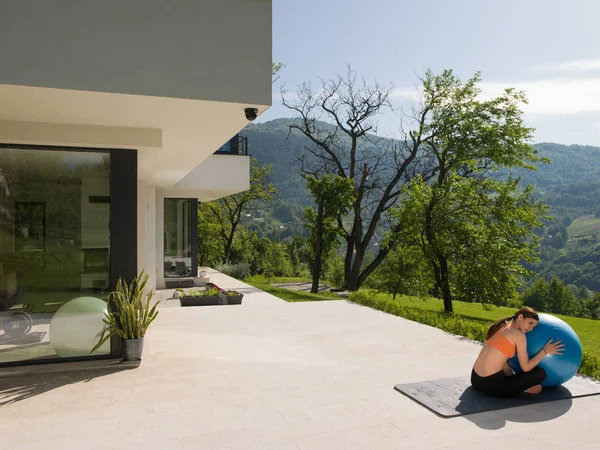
{"x": 275, "y": 375}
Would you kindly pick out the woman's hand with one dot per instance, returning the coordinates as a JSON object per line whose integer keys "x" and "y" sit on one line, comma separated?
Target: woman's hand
{"x": 556, "y": 347}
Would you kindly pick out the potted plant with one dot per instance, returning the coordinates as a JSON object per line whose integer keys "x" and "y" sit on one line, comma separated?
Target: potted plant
{"x": 205, "y": 297}
{"x": 129, "y": 314}
{"x": 231, "y": 297}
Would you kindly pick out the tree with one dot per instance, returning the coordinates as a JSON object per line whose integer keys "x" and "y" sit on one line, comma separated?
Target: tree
{"x": 536, "y": 296}
{"x": 474, "y": 235}
{"x": 260, "y": 252}
{"x": 583, "y": 293}
{"x": 228, "y": 211}
{"x": 346, "y": 145}
{"x": 296, "y": 248}
{"x": 333, "y": 196}
{"x": 560, "y": 299}
{"x": 210, "y": 245}
{"x": 275, "y": 69}
{"x": 402, "y": 272}
{"x": 279, "y": 260}
{"x": 591, "y": 306}
{"x": 474, "y": 230}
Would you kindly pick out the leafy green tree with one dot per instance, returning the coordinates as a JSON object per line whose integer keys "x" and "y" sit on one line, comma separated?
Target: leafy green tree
{"x": 474, "y": 230}
{"x": 210, "y": 245}
{"x": 333, "y": 268}
{"x": 560, "y": 299}
{"x": 295, "y": 248}
{"x": 536, "y": 296}
{"x": 333, "y": 196}
{"x": 473, "y": 233}
{"x": 404, "y": 271}
{"x": 556, "y": 236}
{"x": 583, "y": 293}
{"x": 260, "y": 249}
{"x": 591, "y": 306}
{"x": 228, "y": 211}
{"x": 279, "y": 260}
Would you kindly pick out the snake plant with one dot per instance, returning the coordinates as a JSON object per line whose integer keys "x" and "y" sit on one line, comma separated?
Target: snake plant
{"x": 128, "y": 315}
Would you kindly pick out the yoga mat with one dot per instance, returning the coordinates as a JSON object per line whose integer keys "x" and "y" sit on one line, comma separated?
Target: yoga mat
{"x": 451, "y": 397}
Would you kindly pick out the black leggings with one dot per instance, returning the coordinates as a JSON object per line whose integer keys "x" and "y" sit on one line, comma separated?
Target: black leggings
{"x": 501, "y": 385}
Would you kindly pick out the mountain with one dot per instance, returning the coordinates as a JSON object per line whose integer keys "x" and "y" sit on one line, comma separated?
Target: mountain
{"x": 570, "y": 183}
{"x": 271, "y": 143}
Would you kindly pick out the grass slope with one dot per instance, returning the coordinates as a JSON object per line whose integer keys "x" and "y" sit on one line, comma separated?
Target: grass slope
{"x": 584, "y": 226}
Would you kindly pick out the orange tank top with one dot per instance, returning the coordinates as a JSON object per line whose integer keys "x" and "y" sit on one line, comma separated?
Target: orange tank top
{"x": 500, "y": 342}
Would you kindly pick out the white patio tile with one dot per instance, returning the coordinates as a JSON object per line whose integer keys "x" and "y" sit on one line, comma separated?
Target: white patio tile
{"x": 275, "y": 375}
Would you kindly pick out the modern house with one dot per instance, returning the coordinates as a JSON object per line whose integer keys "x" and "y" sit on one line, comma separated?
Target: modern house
{"x": 116, "y": 118}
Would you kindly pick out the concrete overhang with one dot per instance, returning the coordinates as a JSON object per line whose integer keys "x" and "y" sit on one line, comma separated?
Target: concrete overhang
{"x": 173, "y": 136}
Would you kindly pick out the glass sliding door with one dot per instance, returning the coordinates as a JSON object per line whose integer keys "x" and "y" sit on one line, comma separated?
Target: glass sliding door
{"x": 54, "y": 252}
{"x": 180, "y": 235}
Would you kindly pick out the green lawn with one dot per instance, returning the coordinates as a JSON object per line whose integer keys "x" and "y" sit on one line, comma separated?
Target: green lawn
{"x": 288, "y": 295}
{"x": 584, "y": 226}
{"x": 274, "y": 280}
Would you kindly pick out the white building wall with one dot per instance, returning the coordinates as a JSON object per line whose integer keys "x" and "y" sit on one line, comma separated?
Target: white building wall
{"x": 159, "y": 239}
{"x": 151, "y": 232}
{"x": 146, "y": 218}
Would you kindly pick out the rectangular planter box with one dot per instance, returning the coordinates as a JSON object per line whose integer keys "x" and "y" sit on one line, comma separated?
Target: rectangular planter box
{"x": 205, "y": 300}
{"x": 232, "y": 299}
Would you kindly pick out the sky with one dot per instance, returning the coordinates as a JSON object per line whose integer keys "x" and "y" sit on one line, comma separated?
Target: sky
{"x": 550, "y": 49}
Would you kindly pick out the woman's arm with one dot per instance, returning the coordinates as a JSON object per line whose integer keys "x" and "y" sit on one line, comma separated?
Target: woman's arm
{"x": 524, "y": 361}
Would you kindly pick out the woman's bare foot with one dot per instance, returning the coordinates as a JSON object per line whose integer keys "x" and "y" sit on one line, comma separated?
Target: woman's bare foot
{"x": 534, "y": 389}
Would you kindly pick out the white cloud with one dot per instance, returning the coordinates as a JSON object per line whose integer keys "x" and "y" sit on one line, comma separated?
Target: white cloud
{"x": 553, "y": 96}
{"x": 570, "y": 87}
{"x": 579, "y": 65}
{"x": 550, "y": 96}
{"x": 406, "y": 93}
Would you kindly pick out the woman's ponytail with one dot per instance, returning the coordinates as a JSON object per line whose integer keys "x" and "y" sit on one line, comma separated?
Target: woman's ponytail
{"x": 497, "y": 325}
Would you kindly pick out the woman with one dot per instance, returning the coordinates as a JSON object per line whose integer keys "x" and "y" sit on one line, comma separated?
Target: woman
{"x": 491, "y": 373}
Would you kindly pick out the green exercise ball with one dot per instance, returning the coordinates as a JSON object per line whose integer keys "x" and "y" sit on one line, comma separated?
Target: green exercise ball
{"x": 77, "y": 326}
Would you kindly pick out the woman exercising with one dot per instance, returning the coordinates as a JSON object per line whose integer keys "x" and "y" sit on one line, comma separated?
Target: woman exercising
{"x": 491, "y": 373}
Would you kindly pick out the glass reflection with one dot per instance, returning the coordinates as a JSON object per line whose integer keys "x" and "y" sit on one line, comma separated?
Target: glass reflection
{"x": 54, "y": 248}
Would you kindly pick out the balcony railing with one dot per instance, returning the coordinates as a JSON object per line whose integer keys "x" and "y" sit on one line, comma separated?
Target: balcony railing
{"x": 237, "y": 145}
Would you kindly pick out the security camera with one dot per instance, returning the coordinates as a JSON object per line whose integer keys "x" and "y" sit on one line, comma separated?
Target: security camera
{"x": 251, "y": 113}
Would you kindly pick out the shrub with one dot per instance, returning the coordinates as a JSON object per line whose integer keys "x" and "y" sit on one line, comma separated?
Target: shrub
{"x": 590, "y": 366}
{"x": 335, "y": 271}
{"x": 239, "y": 271}
{"x": 201, "y": 292}
{"x": 231, "y": 293}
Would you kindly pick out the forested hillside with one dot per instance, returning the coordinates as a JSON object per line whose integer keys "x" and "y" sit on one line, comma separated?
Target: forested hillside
{"x": 569, "y": 184}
